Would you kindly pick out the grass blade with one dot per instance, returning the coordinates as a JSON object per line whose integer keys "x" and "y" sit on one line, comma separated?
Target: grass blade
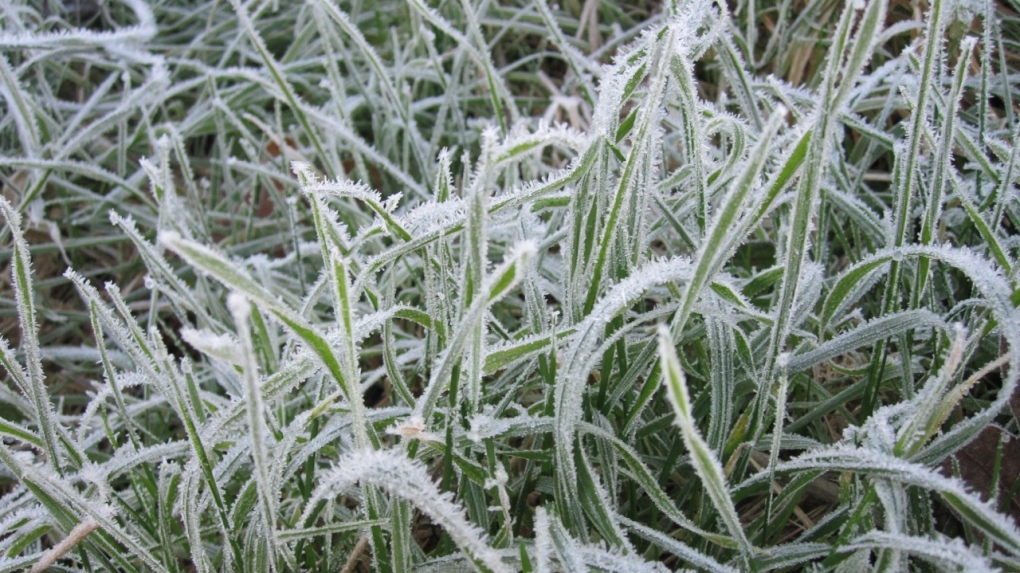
{"x": 705, "y": 462}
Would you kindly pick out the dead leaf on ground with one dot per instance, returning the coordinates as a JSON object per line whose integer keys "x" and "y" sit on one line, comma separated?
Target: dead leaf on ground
{"x": 1014, "y": 400}
{"x": 977, "y": 466}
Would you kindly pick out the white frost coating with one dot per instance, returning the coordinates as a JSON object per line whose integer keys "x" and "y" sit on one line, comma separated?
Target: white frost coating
{"x": 301, "y": 366}
{"x": 543, "y": 541}
{"x": 219, "y": 346}
{"x": 187, "y": 506}
{"x": 413, "y": 429}
{"x": 74, "y": 502}
{"x": 996, "y": 292}
{"x": 258, "y": 431}
{"x": 17, "y": 99}
{"x": 875, "y": 464}
{"x": 340, "y": 188}
{"x": 518, "y": 145}
{"x": 408, "y": 479}
{"x": 944, "y": 552}
{"x": 238, "y": 306}
{"x": 629, "y": 60}
{"x": 168, "y": 237}
{"x": 230, "y": 274}
{"x": 96, "y": 475}
{"x": 117, "y": 41}
{"x": 922, "y": 419}
{"x": 614, "y": 80}
{"x": 302, "y": 169}
{"x": 578, "y": 357}
{"x": 127, "y": 457}
{"x": 33, "y": 379}
{"x": 432, "y": 217}
{"x": 336, "y": 433}
{"x": 506, "y": 276}
{"x": 499, "y": 481}
{"x": 296, "y": 430}
{"x": 678, "y": 548}
{"x": 864, "y": 334}
{"x": 705, "y": 461}
{"x": 608, "y": 560}
{"x": 520, "y": 255}
{"x": 896, "y": 508}
{"x": 484, "y": 426}
{"x": 369, "y": 323}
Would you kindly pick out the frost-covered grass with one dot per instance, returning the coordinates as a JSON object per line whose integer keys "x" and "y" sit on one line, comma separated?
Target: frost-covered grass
{"x": 502, "y": 286}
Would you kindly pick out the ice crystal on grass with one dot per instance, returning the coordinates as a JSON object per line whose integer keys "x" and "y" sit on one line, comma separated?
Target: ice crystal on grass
{"x": 409, "y": 480}
{"x": 220, "y": 346}
{"x": 480, "y": 286}
{"x": 124, "y": 42}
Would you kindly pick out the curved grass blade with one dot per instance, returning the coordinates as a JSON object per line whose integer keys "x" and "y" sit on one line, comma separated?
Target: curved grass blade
{"x": 705, "y": 462}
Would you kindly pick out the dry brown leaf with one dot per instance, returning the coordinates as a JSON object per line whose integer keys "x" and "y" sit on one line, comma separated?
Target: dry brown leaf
{"x": 977, "y": 466}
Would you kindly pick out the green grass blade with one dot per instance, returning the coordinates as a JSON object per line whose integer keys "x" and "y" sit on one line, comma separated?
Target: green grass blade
{"x": 705, "y": 462}
{"x": 34, "y": 378}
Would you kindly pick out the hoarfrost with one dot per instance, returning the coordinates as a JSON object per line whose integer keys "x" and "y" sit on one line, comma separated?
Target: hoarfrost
{"x": 413, "y": 429}
{"x": 220, "y": 346}
{"x": 408, "y": 479}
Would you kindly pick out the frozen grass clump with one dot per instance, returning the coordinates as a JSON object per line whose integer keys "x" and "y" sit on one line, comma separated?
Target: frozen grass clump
{"x": 511, "y": 286}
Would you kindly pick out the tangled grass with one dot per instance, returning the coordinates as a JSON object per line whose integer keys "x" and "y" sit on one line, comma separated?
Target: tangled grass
{"x": 509, "y": 286}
